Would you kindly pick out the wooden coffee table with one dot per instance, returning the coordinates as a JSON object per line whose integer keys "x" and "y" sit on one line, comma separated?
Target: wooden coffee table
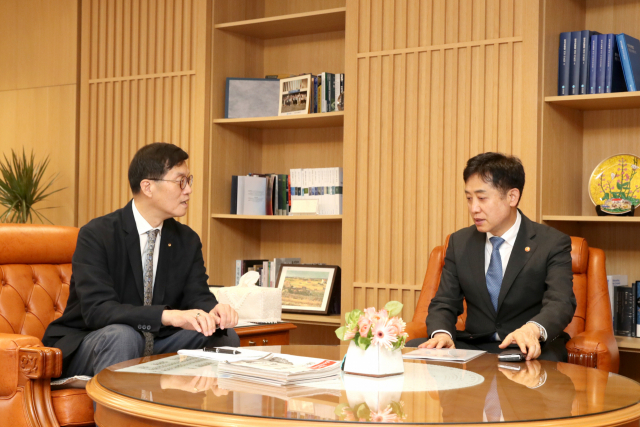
{"x": 570, "y": 395}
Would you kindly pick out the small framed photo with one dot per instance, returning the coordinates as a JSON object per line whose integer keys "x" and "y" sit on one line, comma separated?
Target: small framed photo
{"x": 309, "y": 289}
{"x": 295, "y": 95}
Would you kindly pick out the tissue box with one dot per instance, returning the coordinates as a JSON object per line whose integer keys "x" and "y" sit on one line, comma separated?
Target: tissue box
{"x": 253, "y": 303}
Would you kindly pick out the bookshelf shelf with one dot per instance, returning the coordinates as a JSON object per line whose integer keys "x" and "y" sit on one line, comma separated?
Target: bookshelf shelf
{"x": 604, "y": 101}
{"x": 279, "y": 217}
{"x": 627, "y": 343}
{"x": 321, "y": 21}
{"x": 578, "y": 218}
{"x": 319, "y": 120}
{"x": 313, "y": 319}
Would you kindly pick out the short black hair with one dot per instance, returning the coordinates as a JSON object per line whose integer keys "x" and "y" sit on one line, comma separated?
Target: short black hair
{"x": 501, "y": 171}
{"x": 153, "y": 161}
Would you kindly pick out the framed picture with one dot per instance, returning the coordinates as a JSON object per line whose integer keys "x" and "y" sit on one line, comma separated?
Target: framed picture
{"x": 295, "y": 95}
{"x": 310, "y": 289}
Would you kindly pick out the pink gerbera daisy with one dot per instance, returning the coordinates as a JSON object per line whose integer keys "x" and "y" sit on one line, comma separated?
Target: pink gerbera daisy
{"x": 386, "y": 416}
{"x": 383, "y": 335}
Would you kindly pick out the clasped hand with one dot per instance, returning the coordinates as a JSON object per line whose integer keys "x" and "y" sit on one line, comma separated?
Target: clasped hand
{"x": 222, "y": 316}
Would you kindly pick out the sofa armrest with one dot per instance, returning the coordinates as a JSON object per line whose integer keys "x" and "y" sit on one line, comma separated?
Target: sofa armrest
{"x": 416, "y": 330}
{"x": 23, "y": 357}
{"x": 600, "y": 344}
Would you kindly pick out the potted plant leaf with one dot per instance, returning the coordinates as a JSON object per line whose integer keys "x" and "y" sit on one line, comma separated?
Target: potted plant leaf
{"x": 22, "y": 186}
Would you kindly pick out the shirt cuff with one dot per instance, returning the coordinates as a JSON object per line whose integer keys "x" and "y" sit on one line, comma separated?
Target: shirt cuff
{"x": 441, "y": 330}
{"x": 542, "y": 380}
{"x": 543, "y": 336}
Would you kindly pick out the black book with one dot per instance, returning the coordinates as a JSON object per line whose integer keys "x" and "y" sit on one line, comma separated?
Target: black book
{"x": 625, "y": 311}
{"x": 234, "y": 195}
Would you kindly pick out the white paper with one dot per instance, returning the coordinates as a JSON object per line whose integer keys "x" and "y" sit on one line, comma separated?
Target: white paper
{"x": 444, "y": 354}
{"x": 254, "y": 193}
{"x": 177, "y": 365}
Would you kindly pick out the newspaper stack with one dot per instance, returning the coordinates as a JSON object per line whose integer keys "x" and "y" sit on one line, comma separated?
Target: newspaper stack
{"x": 280, "y": 369}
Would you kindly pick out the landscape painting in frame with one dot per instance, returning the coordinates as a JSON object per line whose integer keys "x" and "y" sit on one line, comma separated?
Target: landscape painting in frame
{"x": 306, "y": 289}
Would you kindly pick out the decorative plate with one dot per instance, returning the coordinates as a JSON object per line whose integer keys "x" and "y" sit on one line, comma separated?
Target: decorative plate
{"x": 614, "y": 184}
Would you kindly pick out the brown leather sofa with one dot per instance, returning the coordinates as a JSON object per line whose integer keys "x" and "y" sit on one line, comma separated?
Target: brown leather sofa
{"x": 35, "y": 267}
{"x": 592, "y": 343}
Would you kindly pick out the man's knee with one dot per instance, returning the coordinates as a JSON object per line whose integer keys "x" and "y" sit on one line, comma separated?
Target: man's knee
{"x": 124, "y": 339}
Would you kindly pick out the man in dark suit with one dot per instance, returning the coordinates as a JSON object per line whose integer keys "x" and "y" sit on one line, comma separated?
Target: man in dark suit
{"x": 139, "y": 284}
{"x": 514, "y": 274}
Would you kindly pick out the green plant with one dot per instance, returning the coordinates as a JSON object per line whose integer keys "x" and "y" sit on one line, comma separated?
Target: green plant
{"x": 22, "y": 187}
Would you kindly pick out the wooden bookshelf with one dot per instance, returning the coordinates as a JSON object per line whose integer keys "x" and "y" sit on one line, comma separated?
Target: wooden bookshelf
{"x": 585, "y": 218}
{"x": 590, "y": 128}
{"x": 320, "y": 120}
{"x": 279, "y": 217}
{"x": 628, "y": 343}
{"x": 600, "y": 102}
{"x": 298, "y": 24}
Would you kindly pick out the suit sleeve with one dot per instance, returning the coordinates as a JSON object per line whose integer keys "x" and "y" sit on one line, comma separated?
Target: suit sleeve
{"x": 196, "y": 292}
{"x": 558, "y": 301}
{"x": 447, "y": 304}
{"x": 99, "y": 303}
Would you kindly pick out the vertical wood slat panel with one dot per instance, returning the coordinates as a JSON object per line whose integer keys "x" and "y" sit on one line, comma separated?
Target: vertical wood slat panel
{"x": 425, "y": 114}
{"x": 125, "y": 110}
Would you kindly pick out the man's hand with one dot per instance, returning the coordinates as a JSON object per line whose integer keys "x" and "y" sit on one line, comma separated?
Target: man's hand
{"x": 439, "y": 340}
{"x": 527, "y": 338}
{"x": 193, "y": 384}
{"x": 193, "y": 320}
{"x": 226, "y": 315}
{"x": 528, "y": 376}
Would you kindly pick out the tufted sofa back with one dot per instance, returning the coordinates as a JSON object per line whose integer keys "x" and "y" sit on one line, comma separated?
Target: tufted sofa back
{"x": 35, "y": 269}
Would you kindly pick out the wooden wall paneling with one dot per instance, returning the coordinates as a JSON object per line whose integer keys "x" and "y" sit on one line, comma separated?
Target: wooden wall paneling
{"x": 287, "y": 7}
{"x": 144, "y": 74}
{"x": 37, "y": 35}
{"x": 425, "y": 105}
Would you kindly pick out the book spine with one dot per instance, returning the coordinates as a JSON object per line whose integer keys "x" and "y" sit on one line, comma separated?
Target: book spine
{"x": 602, "y": 58}
{"x": 563, "y": 64}
{"x": 288, "y": 193}
{"x": 321, "y": 91}
{"x": 637, "y": 285}
{"x": 608, "y": 67}
{"x": 576, "y": 48}
{"x": 584, "y": 62}
{"x": 626, "y": 63}
{"x": 593, "y": 60}
{"x": 234, "y": 195}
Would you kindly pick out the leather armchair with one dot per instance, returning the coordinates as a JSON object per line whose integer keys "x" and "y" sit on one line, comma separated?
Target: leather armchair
{"x": 592, "y": 343}
{"x": 35, "y": 268}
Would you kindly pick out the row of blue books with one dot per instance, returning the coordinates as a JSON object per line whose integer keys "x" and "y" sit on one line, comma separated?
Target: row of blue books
{"x": 590, "y": 62}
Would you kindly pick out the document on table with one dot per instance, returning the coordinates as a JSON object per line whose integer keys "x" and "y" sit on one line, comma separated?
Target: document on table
{"x": 176, "y": 365}
{"x": 242, "y": 354}
{"x": 444, "y": 354}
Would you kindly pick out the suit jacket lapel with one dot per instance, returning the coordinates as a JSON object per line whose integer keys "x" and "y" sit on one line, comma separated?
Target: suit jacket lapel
{"x": 519, "y": 257}
{"x": 133, "y": 247}
{"x": 167, "y": 248}
{"x": 475, "y": 257}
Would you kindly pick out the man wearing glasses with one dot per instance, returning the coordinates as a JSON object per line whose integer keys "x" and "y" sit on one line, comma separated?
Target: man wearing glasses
{"x": 139, "y": 285}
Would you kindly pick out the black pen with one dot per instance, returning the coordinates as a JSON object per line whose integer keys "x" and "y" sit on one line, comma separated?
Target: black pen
{"x": 221, "y": 350}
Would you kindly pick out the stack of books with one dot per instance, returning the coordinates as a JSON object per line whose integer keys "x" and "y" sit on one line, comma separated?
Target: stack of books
{"x": 268, "y": 269}
{"x": 280, "y": 370}
{"x": 271, "y": 194}
{"x": 625, "y": 307}
{"x": 590, "y": 63}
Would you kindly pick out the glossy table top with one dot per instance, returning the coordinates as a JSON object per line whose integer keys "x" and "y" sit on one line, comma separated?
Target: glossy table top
{"x": 539, "y": 391}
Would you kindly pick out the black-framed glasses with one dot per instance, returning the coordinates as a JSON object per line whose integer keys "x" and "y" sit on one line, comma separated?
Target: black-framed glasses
{"x": 182, "y": 181}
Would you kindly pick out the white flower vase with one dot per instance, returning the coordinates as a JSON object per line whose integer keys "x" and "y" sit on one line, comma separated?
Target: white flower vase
{"x": 375, "y": 361}
{"x": 377, "y": 393}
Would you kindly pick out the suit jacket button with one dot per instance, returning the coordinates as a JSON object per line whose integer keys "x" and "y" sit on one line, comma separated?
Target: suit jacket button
{"x": 139, "y": 326}
{"x": 149, "y": 327}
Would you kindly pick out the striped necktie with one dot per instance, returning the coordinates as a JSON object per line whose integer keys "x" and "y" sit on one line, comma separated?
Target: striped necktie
{"x": 494, "y": 272}
{"x": 148, "y": 284}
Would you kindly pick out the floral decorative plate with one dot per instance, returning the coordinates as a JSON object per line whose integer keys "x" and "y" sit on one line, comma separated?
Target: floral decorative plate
{"x": 614, "y": 184}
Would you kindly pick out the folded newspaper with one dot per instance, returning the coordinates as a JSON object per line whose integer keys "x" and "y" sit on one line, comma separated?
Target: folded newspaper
{"x": 280, "y": 369}
{"x": 444, "y": 354}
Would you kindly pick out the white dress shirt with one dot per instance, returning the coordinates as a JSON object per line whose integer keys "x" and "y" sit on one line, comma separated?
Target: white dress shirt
{"x": 509, "y": 237}
{"x": 143, "y": 226}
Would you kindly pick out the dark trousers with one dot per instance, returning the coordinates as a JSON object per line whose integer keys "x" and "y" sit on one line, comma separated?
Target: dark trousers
{"x": 555, "y": 351}
{"x": 118, "y": 343}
